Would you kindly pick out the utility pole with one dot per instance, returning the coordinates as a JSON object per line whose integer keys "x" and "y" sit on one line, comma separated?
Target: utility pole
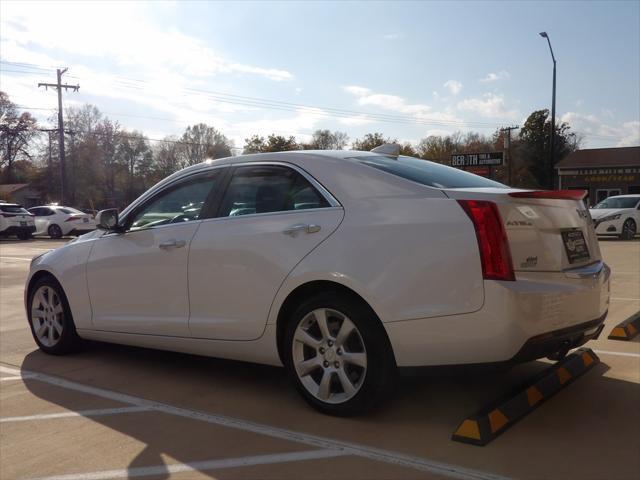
{"x": 507, "y": 144}
{"x": 59, "y": 86}
{"x": 50, "y": 164}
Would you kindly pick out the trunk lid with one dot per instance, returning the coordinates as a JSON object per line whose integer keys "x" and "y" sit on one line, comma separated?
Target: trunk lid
{"x": 544, "y": 234}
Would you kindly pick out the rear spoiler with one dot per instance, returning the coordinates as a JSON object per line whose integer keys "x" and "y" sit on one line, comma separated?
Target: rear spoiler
{"x": 551, "y": 194}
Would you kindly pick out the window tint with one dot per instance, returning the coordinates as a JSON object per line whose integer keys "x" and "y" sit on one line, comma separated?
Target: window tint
{"x": 427, "y": 173}
{"x": 264, "y": 189}
{"x": 13, "y": 209}
{"x": 182, "y": 203}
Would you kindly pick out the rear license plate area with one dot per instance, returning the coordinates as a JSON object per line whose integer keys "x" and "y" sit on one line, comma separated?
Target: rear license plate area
{"x": 575, "y": 246}
{"x": 23, "y": 224}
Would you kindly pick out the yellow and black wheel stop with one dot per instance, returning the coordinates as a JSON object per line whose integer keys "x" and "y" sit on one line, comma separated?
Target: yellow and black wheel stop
{"x": 626, "y": 330}
{"x": 491, "y": 421}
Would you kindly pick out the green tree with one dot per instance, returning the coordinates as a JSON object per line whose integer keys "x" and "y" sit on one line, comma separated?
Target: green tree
{"x": 327, "y": 140}
{"x": 371, "y": 141}
{"x": 535, "y": 138}
{"x": 16, "y": 132}
{"x": 200, "y": 142}
{"x": 255, "y": 144}
{"x": 278, "y": 143}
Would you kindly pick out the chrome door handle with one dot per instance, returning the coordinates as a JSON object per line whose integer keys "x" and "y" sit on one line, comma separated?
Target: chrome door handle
{"x": 301, "y": 227}
{"x": 166, "y": 245}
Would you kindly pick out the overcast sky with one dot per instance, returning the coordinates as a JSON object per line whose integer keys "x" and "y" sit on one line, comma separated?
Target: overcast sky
{"x": 418, "y": 68}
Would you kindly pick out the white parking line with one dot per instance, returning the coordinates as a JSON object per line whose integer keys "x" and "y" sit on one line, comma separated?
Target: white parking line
{"x": 15, "y": 377}
{"x": 623, "y": 299}
{"x": 347, "y": 448}
{"x": 15, "y": 258}
{"x": 81, "y": 413}
{"x": 622, "y": 354}
{"x": 161, "y": 470}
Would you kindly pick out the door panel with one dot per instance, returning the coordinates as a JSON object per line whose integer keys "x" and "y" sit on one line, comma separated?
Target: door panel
{"x": 237, "y": 264}
{"x": 136, "y": 286}
{"x": 138, "y": 279}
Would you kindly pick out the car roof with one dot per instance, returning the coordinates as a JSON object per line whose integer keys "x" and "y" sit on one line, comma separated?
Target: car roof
{"x": 630, "y": 195}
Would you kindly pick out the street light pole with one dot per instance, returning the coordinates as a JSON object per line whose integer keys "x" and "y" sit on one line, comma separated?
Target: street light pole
{"x": 553, "y": 114}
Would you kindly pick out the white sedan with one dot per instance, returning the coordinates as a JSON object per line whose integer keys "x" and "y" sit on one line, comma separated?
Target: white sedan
{"x": 618, "y": 216}
{"x": 343, "y": 266}
{"x": 57, "y": 221}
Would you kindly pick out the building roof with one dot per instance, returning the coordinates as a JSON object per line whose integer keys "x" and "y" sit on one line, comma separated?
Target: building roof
{"x": 602, "y": 157}
{"x": 9, "y": 188}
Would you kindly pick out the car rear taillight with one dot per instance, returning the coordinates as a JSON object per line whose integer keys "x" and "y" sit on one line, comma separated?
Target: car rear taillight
{"x": 72, "y": 218}
{"x": 492, "y": 239}
{"x": 552, "y": 194}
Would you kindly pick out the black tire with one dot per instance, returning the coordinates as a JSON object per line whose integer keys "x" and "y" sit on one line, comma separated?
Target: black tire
{"x": 381, "y": 369}
{"x": 68, "y": 340}
{"x": 54, "y": 231}
{"x": 629, "y": 229}
{"x": 24, "y": 236}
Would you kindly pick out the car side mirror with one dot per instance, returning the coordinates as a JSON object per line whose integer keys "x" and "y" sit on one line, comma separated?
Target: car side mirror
{"x": 107, "y": 219}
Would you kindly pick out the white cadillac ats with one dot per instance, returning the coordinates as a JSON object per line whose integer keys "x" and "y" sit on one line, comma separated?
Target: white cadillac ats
{"x": 618, "y": 216}
{"x": 343, "y": 266}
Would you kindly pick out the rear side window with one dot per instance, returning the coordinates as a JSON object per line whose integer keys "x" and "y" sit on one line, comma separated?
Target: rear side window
{"x": 267, "y": 189}
{"x": 69, "y": 211}
{"x": 427, "y": 173}
{"x": 13, "y": 209}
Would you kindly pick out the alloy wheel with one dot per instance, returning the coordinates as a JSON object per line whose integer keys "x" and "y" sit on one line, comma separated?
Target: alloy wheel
{"x": 329, "y": 356}
{"x": 47, "y": 316}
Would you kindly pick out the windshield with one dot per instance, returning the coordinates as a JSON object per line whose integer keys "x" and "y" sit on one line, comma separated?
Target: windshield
{"x": 618, "y": 202}
{"x": 428, "y": 173}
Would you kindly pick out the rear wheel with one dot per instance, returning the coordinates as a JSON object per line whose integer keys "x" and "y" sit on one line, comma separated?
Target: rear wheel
{"x": 50, "y": 318}
{"x": 629, "y": 229}
{"x": 54, "y": 231}
{"x": 338, "y": 355}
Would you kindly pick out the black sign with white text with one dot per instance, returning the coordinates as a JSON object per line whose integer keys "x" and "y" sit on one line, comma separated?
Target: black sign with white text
{"x": 491, "y": 159}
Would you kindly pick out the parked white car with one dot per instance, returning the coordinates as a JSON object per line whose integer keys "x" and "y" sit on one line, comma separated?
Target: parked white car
{"x": 15, "y": 220}
{"x": 57, "y": 221}
{"x": 618, "y": 216}
{"x": 339, "y": 265}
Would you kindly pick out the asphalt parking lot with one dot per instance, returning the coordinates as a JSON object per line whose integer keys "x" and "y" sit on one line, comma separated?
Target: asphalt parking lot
{"x": 119, "y": 412}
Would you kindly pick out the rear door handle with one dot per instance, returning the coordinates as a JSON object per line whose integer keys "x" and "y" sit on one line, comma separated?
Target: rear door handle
{"x": 301, "y": 227}
{"x": 173, "y": 243}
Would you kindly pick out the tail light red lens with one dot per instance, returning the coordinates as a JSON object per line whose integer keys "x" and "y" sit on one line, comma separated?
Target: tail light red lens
{"x": 72, "y": 218}
{"x": 552, "y": 194}
{"x": 492, "y": 239}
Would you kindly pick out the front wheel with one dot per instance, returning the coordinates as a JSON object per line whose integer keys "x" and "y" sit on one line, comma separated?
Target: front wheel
{"x": 338, "y": 355}
{"x": 629, "y": 229}
{"x": 50, "y": 318}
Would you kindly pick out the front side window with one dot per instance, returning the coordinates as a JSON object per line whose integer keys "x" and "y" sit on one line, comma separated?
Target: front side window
{"x": 182, "y": 203}
{"x": 267, "y": 189}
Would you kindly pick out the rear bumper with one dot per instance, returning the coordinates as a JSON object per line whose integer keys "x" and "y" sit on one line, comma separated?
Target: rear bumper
{"x": 17, "y": 230}
{"x": 533, "y": 317}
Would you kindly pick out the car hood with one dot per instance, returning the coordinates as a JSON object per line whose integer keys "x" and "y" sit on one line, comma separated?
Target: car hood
{"x": 597, "y": 213}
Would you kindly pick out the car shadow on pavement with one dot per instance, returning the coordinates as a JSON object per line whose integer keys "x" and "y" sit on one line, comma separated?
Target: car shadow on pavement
{"x": 418, "y": 420}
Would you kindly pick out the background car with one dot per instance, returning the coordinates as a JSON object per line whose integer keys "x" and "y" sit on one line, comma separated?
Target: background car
{"x": 57, "y": 221}
{"x": 15, "y": 220}
{"x": 618, "y": 216}
{"x": 340, "y": 265}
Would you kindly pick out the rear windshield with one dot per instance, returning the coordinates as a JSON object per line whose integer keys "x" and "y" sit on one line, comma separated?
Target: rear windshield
{"x": 620, "y": 202}
{"x": 427, "y": 173}
{"x": 13, "y": 209}
{"x": 68, "y": 210}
